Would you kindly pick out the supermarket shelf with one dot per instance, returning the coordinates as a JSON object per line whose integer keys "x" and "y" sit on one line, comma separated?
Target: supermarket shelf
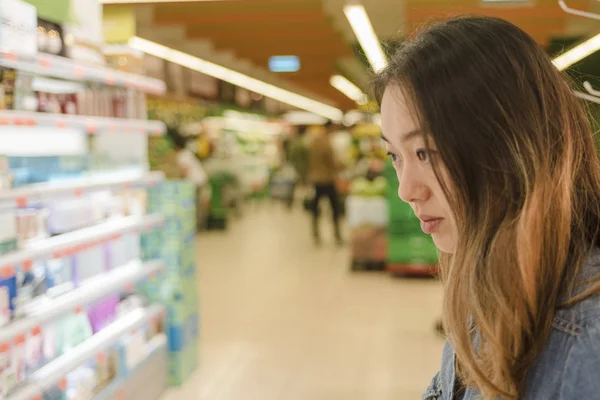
{"x": 31, "y": 194}
{"x": 64, "y": 68}
{"x": 156, "y": 346}
{"x": 72, "y": 242}
{"x": 85, "y": 123}
{"x": 56, "y": 370}
{"x": 91, "y": 291}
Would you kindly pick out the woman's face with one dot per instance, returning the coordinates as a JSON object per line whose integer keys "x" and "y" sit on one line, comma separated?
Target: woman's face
{"x": 419, "y": 185}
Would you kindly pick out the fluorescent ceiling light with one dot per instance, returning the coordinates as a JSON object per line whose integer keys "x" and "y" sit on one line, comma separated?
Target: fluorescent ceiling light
{"x": 361, "y": 25}
{"x": 236, "y": 78}
{"x": 577, "y": 53}
{"x": 349, "y": 89}
{"x": 151, "y": 1}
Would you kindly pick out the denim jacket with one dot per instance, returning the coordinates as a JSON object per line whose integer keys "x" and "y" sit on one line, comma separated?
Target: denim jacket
{"x": 569, "y": 367}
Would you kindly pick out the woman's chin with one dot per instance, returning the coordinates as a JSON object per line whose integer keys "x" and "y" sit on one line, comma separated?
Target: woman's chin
{"x": 444, "y": 243}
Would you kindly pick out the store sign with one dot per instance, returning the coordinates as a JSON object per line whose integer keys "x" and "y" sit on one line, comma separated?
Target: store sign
{"x": 18, "y": 28}
{"x": 284, "y": 64}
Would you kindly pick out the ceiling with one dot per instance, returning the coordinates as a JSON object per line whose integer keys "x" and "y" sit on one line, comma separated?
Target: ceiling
{"x": 245, "y": 33}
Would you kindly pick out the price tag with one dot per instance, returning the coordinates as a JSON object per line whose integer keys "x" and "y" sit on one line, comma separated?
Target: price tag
{"x": 78, "y": 310}
{"x": 129, "y": 287}
{"x": 121, "y": 395}
{"x": 91, "y": 127}
{"x": 4, "y": 347}
{"x": 46, "y": 64}
{"x": 109, "y": 79}
{"x": 78, "y": 192}
{"x": 27, "y": 264}
{"x": 37, "y": 397}
{"x": 7, "y": 271}
{"x": 101, "y": 357}
{"x": 21, "y": 201}
{"x": 61, "y": 123}
{"x": 4, "y": 121}
{"x": 62, "y": 384}
{"x": 10, "y": 56}
{"x": 19, "y": 340}
{"x": 36, "y": 331}
{"x": 78, "y": 71}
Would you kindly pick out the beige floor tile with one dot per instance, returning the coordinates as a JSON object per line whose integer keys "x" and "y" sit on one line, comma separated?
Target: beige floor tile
{"x": 283, "y": 320}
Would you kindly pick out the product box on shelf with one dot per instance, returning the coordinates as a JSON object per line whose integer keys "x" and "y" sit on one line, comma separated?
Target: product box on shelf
{"x": 18, "y": 28}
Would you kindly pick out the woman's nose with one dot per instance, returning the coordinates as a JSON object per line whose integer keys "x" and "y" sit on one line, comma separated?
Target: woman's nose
{"x": 411, "y": 186}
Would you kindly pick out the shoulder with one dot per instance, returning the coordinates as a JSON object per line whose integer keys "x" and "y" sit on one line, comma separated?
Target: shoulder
{"x": 583, "y": 363}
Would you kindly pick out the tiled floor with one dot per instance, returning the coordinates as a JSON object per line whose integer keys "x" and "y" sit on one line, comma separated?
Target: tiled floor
{"x": 283, "y": 320}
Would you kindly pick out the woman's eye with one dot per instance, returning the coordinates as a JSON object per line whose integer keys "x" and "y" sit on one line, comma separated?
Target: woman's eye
{"x": 422, "y": 155}
{"x": 393, "y": 157}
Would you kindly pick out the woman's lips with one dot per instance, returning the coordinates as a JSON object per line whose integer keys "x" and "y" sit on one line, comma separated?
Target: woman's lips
{"x": 430, "y": 225}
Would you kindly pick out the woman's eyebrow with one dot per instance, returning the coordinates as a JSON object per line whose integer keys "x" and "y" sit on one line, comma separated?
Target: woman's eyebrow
{"x": 407, "y": 136}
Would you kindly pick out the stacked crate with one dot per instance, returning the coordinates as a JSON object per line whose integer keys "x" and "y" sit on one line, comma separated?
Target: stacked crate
{"x": 177, "y": 289}
{"x": 410, "y": 251}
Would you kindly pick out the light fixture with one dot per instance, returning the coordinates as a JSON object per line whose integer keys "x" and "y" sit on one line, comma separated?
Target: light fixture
{"x": 235, "y": 78}
{"x": 349, "y": 89}
{"x": 577, "y": 53}
{"x": 361, "y": 25}
{"x": 151, "y": 1}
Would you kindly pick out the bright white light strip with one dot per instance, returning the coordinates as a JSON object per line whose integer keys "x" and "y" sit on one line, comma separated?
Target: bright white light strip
{"x": 151, "y": 1}
{"x": 236, "y": 78}
{"x": 577, "y": 53}
{"x": 361, "y": 25}
{"x": 348, "y": 88}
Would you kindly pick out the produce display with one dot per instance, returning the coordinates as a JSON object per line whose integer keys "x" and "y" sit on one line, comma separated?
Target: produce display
{"x": 367, "y": 218}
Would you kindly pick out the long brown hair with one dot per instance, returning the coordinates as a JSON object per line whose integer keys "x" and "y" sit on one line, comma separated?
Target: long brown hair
{"x": 523, "y": 184}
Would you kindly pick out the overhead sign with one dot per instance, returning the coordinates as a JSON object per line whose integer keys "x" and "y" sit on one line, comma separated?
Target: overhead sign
{"x": 284, "y": 64}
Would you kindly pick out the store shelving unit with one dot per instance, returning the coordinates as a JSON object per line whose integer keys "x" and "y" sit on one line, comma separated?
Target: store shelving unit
{"x": 52, "y": 373}
{"x": 148, "y": 377}
{"x": 91, "y": 125}
{"x": 72, "y": 242}
{"x": 109, "y": 154}
{"x": 64, "y": 68}
{"x": 31, "y": 194}
{"x": 95, "y": 289}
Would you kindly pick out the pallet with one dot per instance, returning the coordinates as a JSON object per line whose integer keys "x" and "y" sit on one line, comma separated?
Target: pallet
{"x": 367, "y": 265}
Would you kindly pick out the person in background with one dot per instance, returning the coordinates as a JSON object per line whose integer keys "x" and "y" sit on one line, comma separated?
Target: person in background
{"x": 298, "y": 154}
{"x": 187, "y": 160}
{"x": 192, "y": 171}
{"x": 496, "y": 156}
{"x": 322, "y": 173}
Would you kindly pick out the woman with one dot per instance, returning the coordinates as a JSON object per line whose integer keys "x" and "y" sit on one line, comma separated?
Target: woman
{"x": 496, "y": 157}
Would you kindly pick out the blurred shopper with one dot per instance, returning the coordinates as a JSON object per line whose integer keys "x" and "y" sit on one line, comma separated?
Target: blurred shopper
{"x": 187, "y": 160}
{"x": 496, "y": 156}
{"x": 322, "y": 173}
{"x": 298, "y": 154}
{"x": 192, "y": 171}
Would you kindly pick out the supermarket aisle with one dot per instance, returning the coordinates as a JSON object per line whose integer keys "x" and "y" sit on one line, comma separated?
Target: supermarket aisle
{"x": 282, "y": 320}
